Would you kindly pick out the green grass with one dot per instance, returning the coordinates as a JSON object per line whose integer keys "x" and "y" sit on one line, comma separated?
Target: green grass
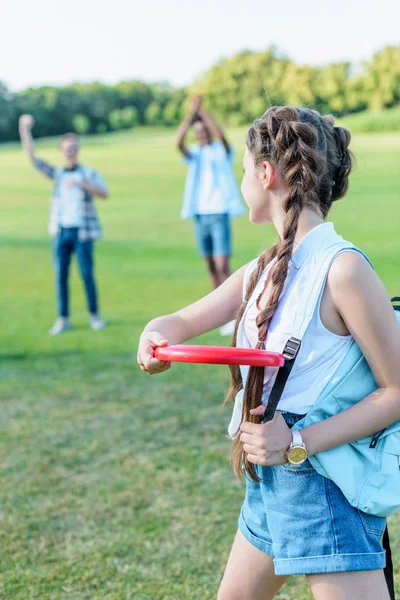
{"x": 385, "y": 120}
{"x": 115, "y": 485}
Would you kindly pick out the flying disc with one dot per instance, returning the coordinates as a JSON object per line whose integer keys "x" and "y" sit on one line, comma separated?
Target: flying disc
{"x": 219, "y": 355}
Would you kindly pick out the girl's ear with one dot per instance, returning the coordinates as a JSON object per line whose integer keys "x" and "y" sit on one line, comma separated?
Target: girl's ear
{"x": 268, "y": 175}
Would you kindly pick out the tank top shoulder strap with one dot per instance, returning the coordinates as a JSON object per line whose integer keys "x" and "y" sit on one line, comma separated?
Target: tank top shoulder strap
{"x": 310, "y": 299}
{"x": 247, "y": 274}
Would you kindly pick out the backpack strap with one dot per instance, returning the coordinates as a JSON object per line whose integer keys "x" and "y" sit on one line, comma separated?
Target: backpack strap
{"x": 304, "y": 314}
{"x": 290, "y": 353}
{"x": 388, "y": 570}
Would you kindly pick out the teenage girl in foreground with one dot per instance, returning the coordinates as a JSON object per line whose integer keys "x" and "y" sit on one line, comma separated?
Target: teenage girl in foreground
{"x": 295, "y": 521}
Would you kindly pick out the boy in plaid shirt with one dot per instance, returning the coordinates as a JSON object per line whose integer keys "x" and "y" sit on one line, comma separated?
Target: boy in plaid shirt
{"x": 73, "y": 223}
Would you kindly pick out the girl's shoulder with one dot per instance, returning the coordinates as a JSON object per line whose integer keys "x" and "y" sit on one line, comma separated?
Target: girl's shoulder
{"x": 350, "y": 267}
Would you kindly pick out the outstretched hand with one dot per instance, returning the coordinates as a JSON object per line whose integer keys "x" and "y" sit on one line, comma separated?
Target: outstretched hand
{"x": 26, "y": 122}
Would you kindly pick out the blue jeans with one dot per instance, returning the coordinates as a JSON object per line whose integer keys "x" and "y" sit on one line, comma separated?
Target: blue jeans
{"x": 64, "y": 245}
{"x": 304, "y": 522}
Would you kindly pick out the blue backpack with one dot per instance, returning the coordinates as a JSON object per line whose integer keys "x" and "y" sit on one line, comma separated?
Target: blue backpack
{"x": 368, "y": 470}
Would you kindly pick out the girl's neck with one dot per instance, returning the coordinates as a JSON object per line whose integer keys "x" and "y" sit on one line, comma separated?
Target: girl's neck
{"x": 308, "y": 219}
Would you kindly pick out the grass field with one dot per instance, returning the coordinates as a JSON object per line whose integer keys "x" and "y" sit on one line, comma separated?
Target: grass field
{"x": 373, "y": 121}
{"x": 115, "y": 485}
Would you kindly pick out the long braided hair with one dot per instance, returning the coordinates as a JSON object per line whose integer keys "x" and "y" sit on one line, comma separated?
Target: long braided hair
{"x": 313, "y": 162}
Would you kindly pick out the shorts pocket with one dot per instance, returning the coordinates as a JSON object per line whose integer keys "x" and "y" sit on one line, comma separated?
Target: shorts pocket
{"x": 372, "y": 524}
{"x": 302, "y": 469}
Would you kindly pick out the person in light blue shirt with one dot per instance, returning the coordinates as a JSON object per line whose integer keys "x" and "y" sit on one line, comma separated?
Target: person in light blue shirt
{"x": 211, "y": 196}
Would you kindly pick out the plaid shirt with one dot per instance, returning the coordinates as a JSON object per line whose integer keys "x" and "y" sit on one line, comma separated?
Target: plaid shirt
{"x": 90, "y": 228}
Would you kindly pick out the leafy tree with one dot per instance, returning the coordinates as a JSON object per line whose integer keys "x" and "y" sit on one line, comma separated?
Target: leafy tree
{"x": 154, "y": 114}
{"x": 382, "y": 78}
{"x": 129, "y": 117}
{"x": 8, "y": 114}
{"x": 237, "y": 90}
{"x": 81, "y": 124}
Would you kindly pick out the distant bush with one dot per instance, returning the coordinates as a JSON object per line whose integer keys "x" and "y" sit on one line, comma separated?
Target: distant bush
{"x": 124, "y": 118}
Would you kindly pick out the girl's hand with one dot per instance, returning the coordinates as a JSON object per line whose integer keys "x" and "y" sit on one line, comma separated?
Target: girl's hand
{"x": 268, "y": 443}
{"x": 149, "y": 341}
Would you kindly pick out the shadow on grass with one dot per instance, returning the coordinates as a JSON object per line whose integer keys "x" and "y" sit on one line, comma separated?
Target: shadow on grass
{"x": 56, "y": 354}
{"x": 14, "y": 356}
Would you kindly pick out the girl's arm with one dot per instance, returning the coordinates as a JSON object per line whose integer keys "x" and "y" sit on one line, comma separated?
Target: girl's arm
{"x": 362, "y": 302}
{"x": 206, "y": 314}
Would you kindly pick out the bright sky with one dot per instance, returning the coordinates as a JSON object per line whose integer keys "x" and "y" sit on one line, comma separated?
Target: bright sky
{"x": 47, "y": 42}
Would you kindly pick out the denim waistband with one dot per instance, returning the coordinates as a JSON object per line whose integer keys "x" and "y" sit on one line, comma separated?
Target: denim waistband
{"x": 291, "y": 418}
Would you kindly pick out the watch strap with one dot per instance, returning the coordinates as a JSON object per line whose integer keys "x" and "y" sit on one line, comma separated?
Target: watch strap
{"x": 297, "y": 439}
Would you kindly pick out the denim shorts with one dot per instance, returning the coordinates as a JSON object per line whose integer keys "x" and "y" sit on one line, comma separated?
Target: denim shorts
{"x": 213, "y": 235}
{"x": 304, "y": 522}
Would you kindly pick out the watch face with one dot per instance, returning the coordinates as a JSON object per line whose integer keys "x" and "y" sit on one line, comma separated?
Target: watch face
{"x": 297, "y": 455}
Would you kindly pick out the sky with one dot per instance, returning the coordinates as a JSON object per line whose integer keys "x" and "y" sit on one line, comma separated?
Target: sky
{"x": 48, "y": 42}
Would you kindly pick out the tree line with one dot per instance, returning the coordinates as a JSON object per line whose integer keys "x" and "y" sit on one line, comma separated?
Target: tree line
{"x": 236, "y": 89}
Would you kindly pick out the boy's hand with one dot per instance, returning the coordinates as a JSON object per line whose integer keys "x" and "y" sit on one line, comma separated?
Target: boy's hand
{"x": 26, "y": 122}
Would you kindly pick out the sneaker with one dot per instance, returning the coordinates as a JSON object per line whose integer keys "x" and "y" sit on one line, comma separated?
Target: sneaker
{"x": 61, "y": 325}
{"x": 228, "y": 328}
{"x": 97, "y": 323}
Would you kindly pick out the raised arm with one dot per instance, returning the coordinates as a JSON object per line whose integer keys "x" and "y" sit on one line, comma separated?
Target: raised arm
{"x": 26, "y": 122}
{"x": 213, "y": 127}
{"x": 185, "y": 126}
{"x": 214, "y": 310}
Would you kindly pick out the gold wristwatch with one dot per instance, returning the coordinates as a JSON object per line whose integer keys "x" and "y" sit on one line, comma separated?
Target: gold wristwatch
{"x": 297, "y": 452}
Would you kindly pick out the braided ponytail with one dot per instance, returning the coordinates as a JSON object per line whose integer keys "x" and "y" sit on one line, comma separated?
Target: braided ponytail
{"x": 264, "y": 259}
{"x": 295, "y": 142}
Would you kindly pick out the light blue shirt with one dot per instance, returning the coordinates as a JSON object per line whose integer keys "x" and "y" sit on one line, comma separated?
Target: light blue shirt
{"x": 211, "y": 187}
{"x": 71, "y": 199}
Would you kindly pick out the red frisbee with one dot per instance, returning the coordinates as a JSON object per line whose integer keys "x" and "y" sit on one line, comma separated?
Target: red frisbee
{"x": 219, "y": 355}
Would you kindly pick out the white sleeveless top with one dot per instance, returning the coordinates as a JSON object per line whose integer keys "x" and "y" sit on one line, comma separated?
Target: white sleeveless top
{"x": 321, "y": 350}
